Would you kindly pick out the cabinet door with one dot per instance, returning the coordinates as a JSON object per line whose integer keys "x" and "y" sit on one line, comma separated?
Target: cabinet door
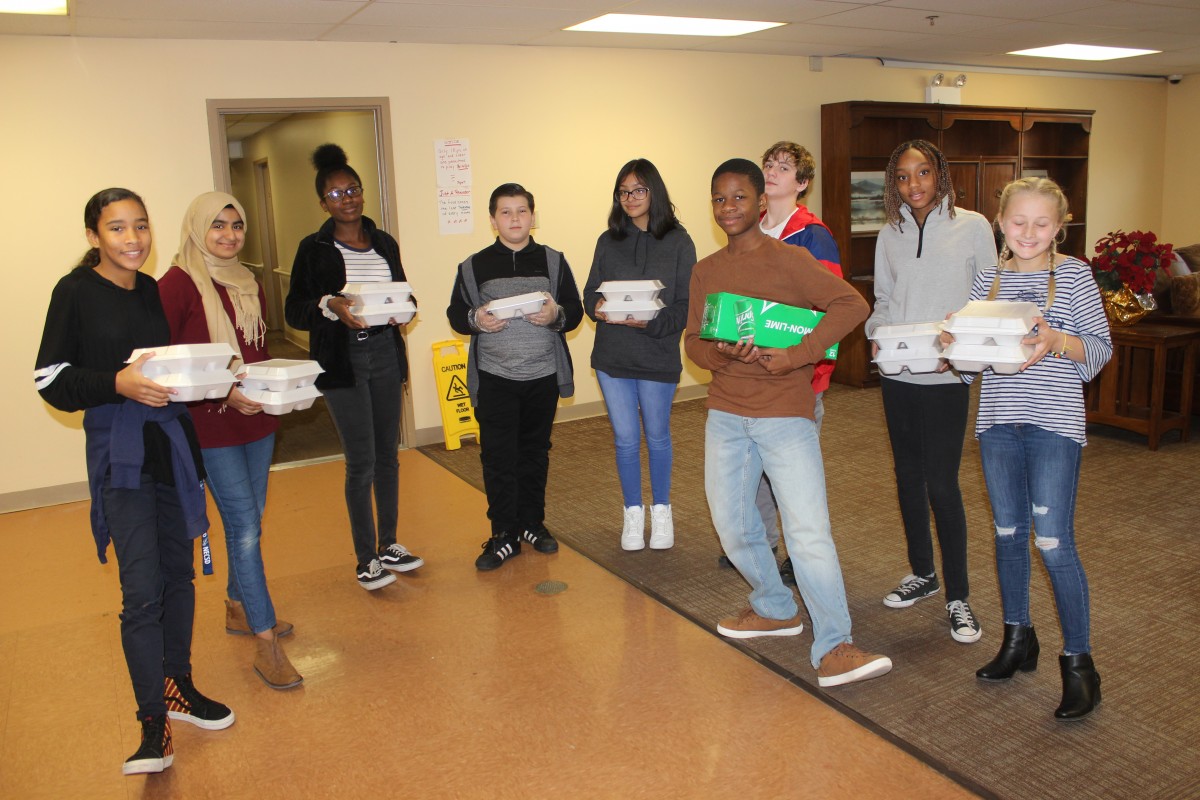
{"x": 965, "y": 177}
{"x": 996, "y": 175}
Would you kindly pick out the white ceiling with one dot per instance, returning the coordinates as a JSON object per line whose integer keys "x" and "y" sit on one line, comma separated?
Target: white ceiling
{"x": 966, "y": 32}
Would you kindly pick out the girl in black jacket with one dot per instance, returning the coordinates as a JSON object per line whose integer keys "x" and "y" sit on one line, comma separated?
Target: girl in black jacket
{"x": 365, "y": 366}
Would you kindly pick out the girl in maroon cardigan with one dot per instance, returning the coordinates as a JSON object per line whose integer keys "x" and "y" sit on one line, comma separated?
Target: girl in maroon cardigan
{"x": 208, "y": 296}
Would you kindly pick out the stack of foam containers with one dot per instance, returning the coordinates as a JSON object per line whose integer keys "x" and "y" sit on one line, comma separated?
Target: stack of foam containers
{"x": 988, "y": 334}
{"x": 282, "y": 385}
{"x": 195, "y": 371}
{"x": 631, "y": 300}
{"x": 380, "y": 303}
{"x": 913, "y": 346}
{"x": 519, "y": 305}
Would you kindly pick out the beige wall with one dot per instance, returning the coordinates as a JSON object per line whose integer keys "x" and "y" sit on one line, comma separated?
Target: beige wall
{"x": 99, "y": 112}
{"x": 1181, "y": 209}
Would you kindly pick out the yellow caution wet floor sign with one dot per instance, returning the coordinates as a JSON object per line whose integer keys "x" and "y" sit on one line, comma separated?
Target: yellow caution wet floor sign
{"x": 450, "y": 368}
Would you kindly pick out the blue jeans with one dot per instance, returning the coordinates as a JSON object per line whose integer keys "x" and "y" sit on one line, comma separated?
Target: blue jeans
{"x": 633, "y": 405}
{"x": 237, "y": 479}
{"x": 1032, "y": 476}
{"x": 768, "y": 509}
{"x": 367, "y": 418}
{"x": 736, "y": 452}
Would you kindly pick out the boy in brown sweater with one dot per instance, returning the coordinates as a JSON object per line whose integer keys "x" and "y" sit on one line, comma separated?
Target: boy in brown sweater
{"x": 760, "y": 418}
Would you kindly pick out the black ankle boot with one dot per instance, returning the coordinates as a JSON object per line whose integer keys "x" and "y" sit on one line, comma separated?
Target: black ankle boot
{"x": 1019, "y": 651}
{"x": 1081, "y": 687}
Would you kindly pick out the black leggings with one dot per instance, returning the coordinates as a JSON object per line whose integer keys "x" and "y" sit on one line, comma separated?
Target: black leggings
{"x": 926, "y": 424}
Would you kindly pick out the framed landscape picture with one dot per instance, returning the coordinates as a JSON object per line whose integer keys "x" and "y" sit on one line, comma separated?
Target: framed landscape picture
{"x": 866, "y": 202}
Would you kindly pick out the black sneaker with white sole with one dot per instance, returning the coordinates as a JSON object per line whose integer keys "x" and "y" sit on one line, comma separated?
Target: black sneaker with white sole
{"x": 372, "y": 576}
{"x": 395, "y": 557}
{"x": 156, "y": 752}
{"x": 497, "y": 550}
{"x": 963, "y": 625}
{"x": 186, "y": 704}
{"x": 912, "y": 589}
{"x": 542, "y": 540}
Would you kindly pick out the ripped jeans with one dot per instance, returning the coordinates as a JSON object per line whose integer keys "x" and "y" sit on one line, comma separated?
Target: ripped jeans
{"x": 1032, "y": 476}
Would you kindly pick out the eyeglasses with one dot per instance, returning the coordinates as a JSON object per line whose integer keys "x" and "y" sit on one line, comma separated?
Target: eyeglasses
{"x": 639, "y": 193}
{"x": 350, "y": 191}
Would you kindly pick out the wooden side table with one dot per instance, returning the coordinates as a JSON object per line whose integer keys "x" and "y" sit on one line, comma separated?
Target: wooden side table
{"x": 1114, "y": 398}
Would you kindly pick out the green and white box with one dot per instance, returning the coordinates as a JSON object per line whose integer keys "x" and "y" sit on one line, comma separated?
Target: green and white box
{"x": 732, "y": 317}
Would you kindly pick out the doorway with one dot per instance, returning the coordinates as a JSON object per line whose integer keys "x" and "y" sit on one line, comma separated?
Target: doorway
{"x": 260, "y": 151}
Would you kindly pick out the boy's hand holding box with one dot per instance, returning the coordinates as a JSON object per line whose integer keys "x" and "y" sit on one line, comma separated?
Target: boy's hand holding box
{"x": 732, "y": 318}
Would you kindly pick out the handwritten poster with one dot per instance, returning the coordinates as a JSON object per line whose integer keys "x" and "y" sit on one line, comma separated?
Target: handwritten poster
{"x": 454, "y": 211}
{"x": 452, "y": 159}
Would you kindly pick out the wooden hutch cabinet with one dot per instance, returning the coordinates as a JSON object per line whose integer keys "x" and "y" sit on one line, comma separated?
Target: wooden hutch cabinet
{"x": 986, "y": 147}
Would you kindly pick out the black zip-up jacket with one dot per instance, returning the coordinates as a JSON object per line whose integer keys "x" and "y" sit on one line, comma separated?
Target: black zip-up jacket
{"x": 319, "y": 270}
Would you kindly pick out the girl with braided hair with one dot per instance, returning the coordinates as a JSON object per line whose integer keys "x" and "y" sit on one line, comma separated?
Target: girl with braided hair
{"x": 1031, "y": 428}
{"x": 926, "y": 259}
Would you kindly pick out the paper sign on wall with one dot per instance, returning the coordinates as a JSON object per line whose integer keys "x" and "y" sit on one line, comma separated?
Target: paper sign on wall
{"x": 453, "y": 163}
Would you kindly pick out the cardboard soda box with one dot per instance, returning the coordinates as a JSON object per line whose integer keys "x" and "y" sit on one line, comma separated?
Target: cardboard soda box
{"x": 732, "y": 317}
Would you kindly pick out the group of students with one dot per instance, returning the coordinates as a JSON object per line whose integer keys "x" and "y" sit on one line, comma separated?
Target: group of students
{"x": 149, "y": 460}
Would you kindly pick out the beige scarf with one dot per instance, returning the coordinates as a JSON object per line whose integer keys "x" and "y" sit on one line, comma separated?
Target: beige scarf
{"x": 205, "y": 269}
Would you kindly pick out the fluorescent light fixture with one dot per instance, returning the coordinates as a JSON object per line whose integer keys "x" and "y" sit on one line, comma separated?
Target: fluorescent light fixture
{"x": 674, "y": 26}
{"x": 54, "y": 7}
{"x": 1083, "y": 52}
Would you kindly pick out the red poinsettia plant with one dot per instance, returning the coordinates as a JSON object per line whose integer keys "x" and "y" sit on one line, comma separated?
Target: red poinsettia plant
{"x": 1129, "y": 259}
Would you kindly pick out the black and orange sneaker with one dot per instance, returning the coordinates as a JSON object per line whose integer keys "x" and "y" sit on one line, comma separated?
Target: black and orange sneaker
{"x": 156, "y": 751}
{"x": 184, "y": 702}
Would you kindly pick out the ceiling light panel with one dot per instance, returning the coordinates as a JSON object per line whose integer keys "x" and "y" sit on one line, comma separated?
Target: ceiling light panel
{"x": 671, "y": 26}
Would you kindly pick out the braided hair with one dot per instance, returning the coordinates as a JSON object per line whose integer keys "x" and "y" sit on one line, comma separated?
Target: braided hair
{"x": 1050, "y": 190}
{"x": 891, "y": 193}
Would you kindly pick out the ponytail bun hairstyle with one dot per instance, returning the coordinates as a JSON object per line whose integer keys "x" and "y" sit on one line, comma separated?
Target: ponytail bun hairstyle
{"x": 329, "y": 160}
{"x": 91, "y": 217}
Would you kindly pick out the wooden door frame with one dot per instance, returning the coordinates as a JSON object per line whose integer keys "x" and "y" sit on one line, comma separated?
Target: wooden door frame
{"x": 380, "y": 108}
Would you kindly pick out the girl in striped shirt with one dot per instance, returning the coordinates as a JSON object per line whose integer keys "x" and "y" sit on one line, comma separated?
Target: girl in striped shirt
{"x": 1031, "y": 431}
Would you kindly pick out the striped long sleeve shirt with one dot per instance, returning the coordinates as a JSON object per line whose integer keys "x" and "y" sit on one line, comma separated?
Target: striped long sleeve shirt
{"x": 1048, "y": 394}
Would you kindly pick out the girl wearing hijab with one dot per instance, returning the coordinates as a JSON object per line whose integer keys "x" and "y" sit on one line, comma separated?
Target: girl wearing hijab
{"x": 208, "y": 296}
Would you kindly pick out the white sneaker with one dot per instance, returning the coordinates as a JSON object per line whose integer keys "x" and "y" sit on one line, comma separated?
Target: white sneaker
{"x": 662, "y": 527}
{"x": 633, "y": 535}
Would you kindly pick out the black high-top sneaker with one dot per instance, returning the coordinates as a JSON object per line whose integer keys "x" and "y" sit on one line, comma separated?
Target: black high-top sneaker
{"x": 184, "y": 702}
{"x": 156, "y": 752}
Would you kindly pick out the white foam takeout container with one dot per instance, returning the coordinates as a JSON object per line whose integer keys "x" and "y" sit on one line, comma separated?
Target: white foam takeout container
{"x": 276, "y": 403}
{"x": 908, "y": 336}
{"x": 281, "y": 374}
{"x": 1003, "y": 359}
{"x": 183, "y": 359}
{"x": 992, "y": 322}
{"x": 382, "y": 314}
{"x": 630, "y": 291}
{"x": 914, "y": 359}
{"x": 520, "y": 305}
{"x": 641, "y": 310}
{"x": 373, "y": 294}
{"x": 192, "y": 386}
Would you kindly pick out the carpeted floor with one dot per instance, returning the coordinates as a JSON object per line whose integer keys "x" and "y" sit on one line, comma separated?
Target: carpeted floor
{"x": 1138, "y": 538}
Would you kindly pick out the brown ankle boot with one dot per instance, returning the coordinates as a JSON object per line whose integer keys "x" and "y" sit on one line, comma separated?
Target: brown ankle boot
{"x": 273, "y": 667}
{"x": 235, "y": 621}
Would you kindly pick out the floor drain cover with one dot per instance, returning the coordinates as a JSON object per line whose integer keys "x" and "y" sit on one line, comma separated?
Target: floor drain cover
{"x": 550, "y": 587}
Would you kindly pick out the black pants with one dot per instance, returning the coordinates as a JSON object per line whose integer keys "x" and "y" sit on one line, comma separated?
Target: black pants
{"x": 367, "y": 418}
{"x": 926, "y": 424}
{"x": 515, "y": 418}
{"x": 155, "y": 562}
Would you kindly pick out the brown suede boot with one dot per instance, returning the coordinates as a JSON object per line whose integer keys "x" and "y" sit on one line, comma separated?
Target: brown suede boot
{"x": 273, "y": 667}
{"x": 235, "y": 621}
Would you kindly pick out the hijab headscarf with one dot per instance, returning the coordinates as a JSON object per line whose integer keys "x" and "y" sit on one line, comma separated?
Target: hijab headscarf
{"x": 204, "y": 268}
